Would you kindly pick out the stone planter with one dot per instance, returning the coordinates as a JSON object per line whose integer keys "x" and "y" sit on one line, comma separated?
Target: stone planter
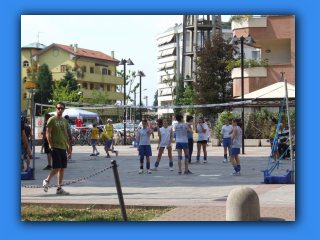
{"x": 264, "y": 143}
{"x": 252, "y": 142}
{"x": 215, "y": 142}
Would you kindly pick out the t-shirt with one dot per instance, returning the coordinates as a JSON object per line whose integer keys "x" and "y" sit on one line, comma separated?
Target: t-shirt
{"x": 190, "y": 135}
{"x": 109, "y": 129}
{"x": 94, "y": 133}
{"x": 202, "y": 135}
{"x": 225, "y": 131}
{"x": 273, "y": 131}
{"x": 237, "y": 141}
{"x": 144, "y": 136}
{"x": 181, "y": 132}
{"x": 283, "y": 135}
{"x": 69, "y": 128}
{"x": 165, "y": 136}
{"x": 27, "y": 130}
{"x": 58, "y": 134}
{"x": 22, "y": 125}
{"x": 173, "y": 124}
{"x": 105, "y": 137}
{"x": 78, "y": 122}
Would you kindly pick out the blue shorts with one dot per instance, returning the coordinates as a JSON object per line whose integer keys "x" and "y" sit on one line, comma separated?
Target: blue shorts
{"x": 275, "y": 145}
{"x": 93, "y": 141}
{"x": 226, "y": 142}
{"x": 108, "y": 144}
{"x": 145, "y": 151}
{"x": 180, "y": 145}
{"x": 174, "y": 135}
{"x": 234, "y": 151}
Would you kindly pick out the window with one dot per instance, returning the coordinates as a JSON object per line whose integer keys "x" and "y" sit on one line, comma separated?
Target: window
{"x": 84, "y": 85}
{"x": 91, "y": 86}
{"x": 25, "y": 64}
{"x": 91, "y": 69}
{"x": 104, "y": 71}
{"x": 101, "y": 86}
{"x": 25, "y": 96}
{"x": 84, "y": 68}
{"x": 109, "y": 72}
{"x": 25, "y": 80}
{"x": 108, "y": 88}
{"x": 62, "y": 68}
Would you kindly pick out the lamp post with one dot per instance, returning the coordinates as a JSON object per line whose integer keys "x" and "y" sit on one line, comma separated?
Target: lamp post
{"x": 135, "y": 103}
{"x": 249, "y": 40}
{"x": 146, "y": 98}
{"x": 124, "y": 62}
{"x": 141, "y": 74}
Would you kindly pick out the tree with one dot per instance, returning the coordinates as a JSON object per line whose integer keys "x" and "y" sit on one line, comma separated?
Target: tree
{"x": 155, "y": 102}
{"x": 68, "y": 78}
{"x": 43, "y": 85}
{"x": 130, "y": 77}
{"x": 179, "y": 95}
{"x": 188, "y": 99}
{"x": 100, "y": 97}
{"x": 213, "y": 81}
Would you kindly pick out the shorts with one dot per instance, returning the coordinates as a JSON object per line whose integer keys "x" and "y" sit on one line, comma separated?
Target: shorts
{"x": 59, "y": 158}
{"x": 226, "y": 142}
{"x": 108, "y": 144}
{"x": 46, "y": 147}
{"x": 275, "y": 145}
{"x": 23, "y": 149}
{"x": 234, "y": 151}
{"x": 174, "y": 135}
{"x": 145, "y": 150}
{"x": 165, "y": 145}
{"x": 203, "y": 141}
{"x": 180, "y": 145}
{"x": 93, "y": 141}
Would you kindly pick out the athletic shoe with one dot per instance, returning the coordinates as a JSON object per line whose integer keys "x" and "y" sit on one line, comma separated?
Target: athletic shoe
{"x": 48, "y": 168}
{"x": 71, "y": 161}
{"x": 148, "y": 171}
{"x": 225, "y": 160}
{"x": 174, "y": 150}
{"x": 140, "y": 171}
{"x": 45, "y": 185}
{"x": 280, "y": 162}
{"x": 154, "y": 169}
{"x": 97, "y": 154}
{"x": 205, "y": 161}
{"x": 61, "y": 192}
{"x": 273, "y": 161}
{"x": 228, "y": 159}
{"x": 171, "y": 169}
{"x": 117, "y": 152}
{"x": 236, "y": 174}
{"x": 188, "y": 172}
{"x": 179, "y": 172}
{"x": 41, "y": 151}
{"x": 108, "y": 156}
{"x": 92, "y": 155}
{"x": 197, "y": 161}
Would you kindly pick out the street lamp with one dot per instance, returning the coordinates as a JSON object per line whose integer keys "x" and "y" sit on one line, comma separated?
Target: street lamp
{"x": 249, "y": 40}
{"x": 146, "y": 98}
{"x": 141, "y": 74}
{"x": 124, "y": 62}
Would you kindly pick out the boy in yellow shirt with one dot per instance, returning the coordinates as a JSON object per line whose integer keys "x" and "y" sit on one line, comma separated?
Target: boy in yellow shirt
{"x": 109, "y": 130}
{"x": 94, "y": 138}
{"x": 107, "y": 139}
{"x": 273, "y": 130}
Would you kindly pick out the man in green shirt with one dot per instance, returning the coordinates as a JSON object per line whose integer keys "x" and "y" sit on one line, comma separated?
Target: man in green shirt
{"x": 58, "y": 140}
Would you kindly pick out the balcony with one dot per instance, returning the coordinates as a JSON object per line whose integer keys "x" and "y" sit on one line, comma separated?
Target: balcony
{"x": 249, "y": 22}
{"x": 167, "y": 59}
{"x": 249, "y": 72}
{"x": 162, "y": 111}
{"x": 112, "y": 95}
{"x": 165, "y": 98}
{"x": 167, "y": 46}
{"x": 92, "y": 77}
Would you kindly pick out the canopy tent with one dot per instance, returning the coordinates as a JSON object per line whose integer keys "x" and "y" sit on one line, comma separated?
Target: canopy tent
{"x": 77, "y": 113}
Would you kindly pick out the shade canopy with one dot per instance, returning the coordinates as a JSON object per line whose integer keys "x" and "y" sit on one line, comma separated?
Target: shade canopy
{"x": 76, "y": 113}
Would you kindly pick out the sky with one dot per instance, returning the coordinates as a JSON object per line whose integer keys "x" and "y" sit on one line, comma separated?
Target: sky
{"x": 128, "y": 36}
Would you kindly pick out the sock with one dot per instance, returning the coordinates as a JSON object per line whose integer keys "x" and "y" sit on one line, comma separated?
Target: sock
{"x": 205, "y": 158}
{"x": 58, "y": 188}
{"x": 235, "y": 168}
{"x": 198, "y": 157}
{"x": 170, "y": 164}
{"x": 225, "y": 155}
{"x": 148, "y": 165}
{"x": 156, "y": 164}
{"x": 239, "y": 168}
{"x": 141, "y": 167}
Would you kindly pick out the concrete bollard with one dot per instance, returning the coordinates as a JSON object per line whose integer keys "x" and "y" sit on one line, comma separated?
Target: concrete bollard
{"x": 243, "y": 205}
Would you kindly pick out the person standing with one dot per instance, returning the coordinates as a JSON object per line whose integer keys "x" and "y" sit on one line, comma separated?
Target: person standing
{"x": 283, "y": 139}
{"x": 57, "y": 136}
{"x": 24, "y": 145}
{"x": 109, "y": 130}
{"x": 208, "y": 130}
{"x": 189, "y": 123}
{"x": 202, "y": 129}
{"x": 70, "y": 137}
{"x": 144, "y": 147}
{"x": 165, "y": 141}
{"x": 226, "y": 139}
{"x": 45, "y": 142}
{"x": 272, "y": 140}
{"x": 236, "y": 143}
{"x": 94, "y": 133}
{"x": 174, "y": 122}
{"x": 181, "y": 130}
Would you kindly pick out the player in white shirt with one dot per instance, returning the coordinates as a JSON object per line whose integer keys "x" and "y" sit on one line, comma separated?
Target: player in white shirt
{"x": 140, "y": 125}
{"x": 181, "y": 130}
{"x": 144, "y": 146}
{"x": 226, "y": 139}
{"x": 165, "y": 140}
{"x": 174, "y": 122}
{"x": 202, "y": 129}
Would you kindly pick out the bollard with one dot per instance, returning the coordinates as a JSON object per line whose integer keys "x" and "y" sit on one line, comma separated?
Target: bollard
{"x": 243, "y": 205}
{"x": 119, "y": 191}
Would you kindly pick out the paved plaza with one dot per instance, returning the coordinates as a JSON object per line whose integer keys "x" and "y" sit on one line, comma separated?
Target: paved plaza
{"x": 198, "y": 197}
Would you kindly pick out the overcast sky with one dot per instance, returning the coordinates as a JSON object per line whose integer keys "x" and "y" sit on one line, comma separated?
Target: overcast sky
{"x": 128, "y": 36}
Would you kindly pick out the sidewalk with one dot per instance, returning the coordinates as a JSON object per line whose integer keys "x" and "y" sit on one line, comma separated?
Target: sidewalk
{"x": 200, "y": 196}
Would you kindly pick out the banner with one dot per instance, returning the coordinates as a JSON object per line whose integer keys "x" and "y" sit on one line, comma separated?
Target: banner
{"x": 38, "y": 127}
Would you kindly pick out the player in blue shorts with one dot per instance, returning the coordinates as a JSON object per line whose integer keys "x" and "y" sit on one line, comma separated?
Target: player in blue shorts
{"x": 236, "y": 143}
{"x": 94, "y": 133}
{"x": 108, "y": 141}
{"x": 226, "y": 139}
{"x": 144, "y": 147}
{"x": 181, "y": 130}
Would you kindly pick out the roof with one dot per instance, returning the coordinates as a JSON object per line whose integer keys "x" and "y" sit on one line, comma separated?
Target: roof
{"x": 35, "y": 45}
{"x": 82, "y": 52}
{"x": 274, "y": 91}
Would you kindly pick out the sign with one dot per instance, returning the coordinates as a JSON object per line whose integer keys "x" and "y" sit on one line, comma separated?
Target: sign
{"x": 39, "y": 120}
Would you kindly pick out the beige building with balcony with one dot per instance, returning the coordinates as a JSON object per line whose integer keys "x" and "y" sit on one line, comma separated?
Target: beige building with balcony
{"x": 275, "y": 37}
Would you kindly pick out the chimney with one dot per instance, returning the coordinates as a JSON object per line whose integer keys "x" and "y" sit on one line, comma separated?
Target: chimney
{"x": 76, "y": 48}
{"x": 112, "y": 54}
{"x": 71, "y": 45}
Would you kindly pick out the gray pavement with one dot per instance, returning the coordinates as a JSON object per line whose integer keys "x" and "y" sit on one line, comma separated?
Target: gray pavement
{"x": 208, "y": 187}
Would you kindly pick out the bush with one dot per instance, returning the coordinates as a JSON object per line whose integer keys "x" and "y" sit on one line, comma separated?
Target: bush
{"x": 247, "y": 63}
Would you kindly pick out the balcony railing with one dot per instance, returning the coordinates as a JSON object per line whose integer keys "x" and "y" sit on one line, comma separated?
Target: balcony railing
{"x": 92, "y": 77}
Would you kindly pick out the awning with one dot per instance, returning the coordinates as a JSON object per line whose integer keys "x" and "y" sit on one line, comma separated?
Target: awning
{"x": 161, "y": 66}
{"x": 76, "y": 113}
{"x": 169, "y": 64}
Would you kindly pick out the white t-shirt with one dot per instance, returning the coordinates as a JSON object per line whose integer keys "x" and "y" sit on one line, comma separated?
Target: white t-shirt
{"x": 144, "y": 136}
{"x": 181, "y": 132}
{"x": 225, "y": 131}
{"x": 237, "y": 141}
{"x": 202, "y": 135}
{"x": 165, "y": 136}
{"x": 173, "y": 124}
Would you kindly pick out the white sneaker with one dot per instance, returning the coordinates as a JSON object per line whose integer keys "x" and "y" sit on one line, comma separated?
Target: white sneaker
{"x": 149, "y": 171}
{"x": 280, "y": 162}
{"x": 140, "y": 171}
{"x": 228, "y": 159}
{"x": 117, "y": 152}
{"x": 205, "y": 161}
{"x": 62, "y": 192}
{"x": 154, "y": 169}
{"x": 45, "y": 185}
{"x": 198, "y": 161}
{"x": 171, "y": 169}
{"x": 225, "y": 160}
{"x": 236, "y": 174}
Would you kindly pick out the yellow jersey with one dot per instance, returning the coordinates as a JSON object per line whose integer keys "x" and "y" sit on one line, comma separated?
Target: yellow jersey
{"x": 109, "y": 130}
{"x": 273, "y": 131}
{"x": 94, "y": 133}
{"x": 105, "y": 137}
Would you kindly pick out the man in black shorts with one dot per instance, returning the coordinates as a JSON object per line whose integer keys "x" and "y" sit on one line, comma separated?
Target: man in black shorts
{"x": 56, "y": 134}
{"x": 46, "y": 143}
